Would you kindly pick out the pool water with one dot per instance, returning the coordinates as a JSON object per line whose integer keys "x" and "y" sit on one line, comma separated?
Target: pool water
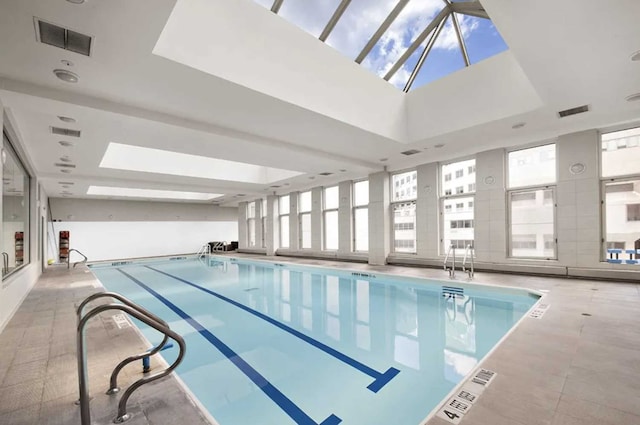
{"x": 275, "y": 344}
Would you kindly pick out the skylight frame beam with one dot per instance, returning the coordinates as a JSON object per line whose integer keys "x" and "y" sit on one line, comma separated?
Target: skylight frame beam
{"x": 463, "y": 46}
{"x": 276, "y": 6}
{"x": 425, "y": 52}
{"x": 444, "y": 13}
{"x": 381, "y": 30}
{"x": 334, "y": 20}
{"x": 470, "y": 8}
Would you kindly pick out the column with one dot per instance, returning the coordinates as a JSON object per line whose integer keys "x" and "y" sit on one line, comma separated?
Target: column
{"x": 243, "y": 236}
{"x": 490, "y": 207}
{"x": 258, "y": 223}
{"x": 345, "y": 222}
{"x": 294, "y": 223}
{"x": 428, "y": 211}
{"x": 273, "y": 228}
{"x": 316, "y": 219}
{"x": 379, "y": 218}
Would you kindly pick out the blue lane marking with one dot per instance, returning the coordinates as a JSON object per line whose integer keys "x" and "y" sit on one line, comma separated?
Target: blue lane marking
{"x": 380, "y": 379}
{"x": 289, "y": 407}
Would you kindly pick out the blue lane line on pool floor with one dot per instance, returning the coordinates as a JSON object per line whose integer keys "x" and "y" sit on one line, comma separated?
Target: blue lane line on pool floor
{"x": 288, "y": 406}
{"x": 380, "y": 379}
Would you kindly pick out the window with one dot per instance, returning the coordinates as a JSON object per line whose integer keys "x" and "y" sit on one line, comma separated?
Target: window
{"x": 283, "y": 209}
{"x": 532, "y": 223}
{"x": 331, "y": 203}
{"x": 621, "y": 153}
{"x": 447, "y": 177}
{"x": 403, "y": 209}
{"x": 263, "y": 217}
{"x": 411, "y": 182}
{"x": 361, "y": 216}
{"x": 622, "y": 213}
{"x": 456, "y": 205}
{"x": 15, "y": 210}
{"x": 532, "y": 211}
{"x": 305, "y": 220}
{"x": 533, "y": 166}
{"x": 633, "y": 212}
{"x": 251, "y": 224}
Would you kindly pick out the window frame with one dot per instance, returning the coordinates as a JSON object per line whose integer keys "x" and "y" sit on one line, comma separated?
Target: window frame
{"x": 443, "y": 197}
{"x": 353, "y": 215}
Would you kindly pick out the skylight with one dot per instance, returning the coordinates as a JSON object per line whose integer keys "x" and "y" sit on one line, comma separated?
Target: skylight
{"x": 407, "y": 42}
{"x": 130, "y": 192}
{"x": 136, "y": 158}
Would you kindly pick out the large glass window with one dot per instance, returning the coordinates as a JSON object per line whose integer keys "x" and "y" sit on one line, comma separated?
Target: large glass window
{"x": 361, "y": 216}
{"x": 15, "y": 210}
{"x": 532, "y": 232}
{"x": 532, "y": 167}
{"x": 456, "y": 201}
{"x": 330, "y": 213}
{"x": 251, "y": 223}
{"x": 404, "y": 190}
{"x": 283, "y": 211}
{"x": 305, "y": 220}
{"x": 263, "y": 218}
{"x": 621, "y": 166}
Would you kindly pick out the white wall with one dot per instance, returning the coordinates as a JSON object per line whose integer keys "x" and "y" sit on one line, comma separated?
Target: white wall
{"x": 104, "y": 230}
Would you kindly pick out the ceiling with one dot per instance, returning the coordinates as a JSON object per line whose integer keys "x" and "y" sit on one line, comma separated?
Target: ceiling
{"x": 230, "y": 80}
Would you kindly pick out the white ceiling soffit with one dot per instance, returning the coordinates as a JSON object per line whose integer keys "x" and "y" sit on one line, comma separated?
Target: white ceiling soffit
{"x": 132, "y": 192}
{"x": 149, "y": 160}
{"x": 247, "y": 44}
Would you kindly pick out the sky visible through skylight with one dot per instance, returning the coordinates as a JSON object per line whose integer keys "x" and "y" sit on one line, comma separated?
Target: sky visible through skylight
{"x": 363, "y": 17}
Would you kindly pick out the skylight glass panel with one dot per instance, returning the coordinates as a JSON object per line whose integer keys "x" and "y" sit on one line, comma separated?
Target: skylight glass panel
{"x": 137, "y": 158}
{"x": 481, "y": 37}
{"x": 358, "y": 23}
{"x": 310, "y": 15}
{"x": 413, "y": 19}
{"x": 130, "y": 192}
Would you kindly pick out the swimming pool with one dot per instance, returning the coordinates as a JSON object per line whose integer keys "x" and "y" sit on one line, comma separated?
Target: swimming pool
{"x": 275, "y": 344}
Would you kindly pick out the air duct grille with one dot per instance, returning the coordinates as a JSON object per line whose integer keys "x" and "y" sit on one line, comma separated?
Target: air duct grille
{"x": 410, "y": 152}
{"x": 63, "y": 38}
{"x": 573, "y": 111}
{"x": 65, "y": 132}
{"x": 326, "y": 173}
{"x": 61, "y": 165}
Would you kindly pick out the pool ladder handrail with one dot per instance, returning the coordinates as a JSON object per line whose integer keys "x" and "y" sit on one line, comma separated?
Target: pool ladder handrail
{"x": 77, "y": 262}
{"x": 204, "y": 250}
{"x": 219, "y": 246}
{"x": 144, "y": 316}
{"x": 5, "y": 263}
{"x": 468, "y": 254}
{"x": 451, "y": 252}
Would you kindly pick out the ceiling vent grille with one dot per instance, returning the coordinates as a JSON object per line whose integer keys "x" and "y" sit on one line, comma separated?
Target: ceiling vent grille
{"x": 62, "y": 165}
{"x": 573, "y": 111}
{"x": 410, "y": 152}
{"x": 275, "y": 186}
{"x": 69, "y": 183}
{"x": 65, "y": 132}
{"x": 325, "y": 174}
{"x": 63, "y": 38}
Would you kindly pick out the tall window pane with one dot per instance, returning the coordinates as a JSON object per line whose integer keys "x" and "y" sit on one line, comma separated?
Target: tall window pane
{"x": 621, "y": 153}
{"x": 531, "y": 167}
{"x": 457, "y": 187}
{"x": 331, "y": 230}
{"x": 331, "y": 198}
{"x": 404, "y": 186}
{"x": 284, "y": 206}
{"x": 404, "y": 227}
{"x": 15, "y": 210}
{"x": 622, "y": 212}
{"x": 305, "y": 220}
{"x": 532, "y": 223}
{"x": 361, "y": 216}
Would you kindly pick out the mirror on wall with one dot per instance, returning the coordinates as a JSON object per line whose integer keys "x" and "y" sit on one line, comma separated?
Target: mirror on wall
{"x": 15, "y": 210}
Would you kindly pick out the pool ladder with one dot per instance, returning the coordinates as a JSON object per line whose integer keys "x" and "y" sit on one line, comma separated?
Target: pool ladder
{"x": 144, "y": 316}
{"x": 84, "y": 260}
{"x": 450, "y": 266}
{"x": 204, "y": 250}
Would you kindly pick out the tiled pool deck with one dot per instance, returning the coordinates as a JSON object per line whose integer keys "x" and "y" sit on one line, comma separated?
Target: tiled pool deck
{"x": 579, "y": 364}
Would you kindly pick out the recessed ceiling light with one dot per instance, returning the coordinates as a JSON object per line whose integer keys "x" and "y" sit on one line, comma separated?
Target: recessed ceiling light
{"x": 518, "y": 125}
{"x": 636, "y": 56}
{"x": 65, "y": 143}
{"x": 633, "y": 97}
{"x": 343, "y": 170}
{"x": 65, "y": 159}
{"x": 439, "y": 145}
{"x": 66, "y": 119}
{"x": 66, "y": 76}
{"x": 66, "y": 171}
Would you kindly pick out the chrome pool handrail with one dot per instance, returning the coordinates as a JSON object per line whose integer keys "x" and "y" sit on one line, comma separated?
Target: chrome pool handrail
{"x": 77, "y": 262}
{"x": 451, "y": 252}
{"x": 468, "y": 253}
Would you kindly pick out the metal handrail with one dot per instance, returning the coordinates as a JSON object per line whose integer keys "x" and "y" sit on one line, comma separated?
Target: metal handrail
{"x": 5, "y": 262}
{"x": 219, "y": 246}
{"x": 468, "y": 252}
{"x": 113, "y": 381}
{"x": 77, "y": 262}
{"x": 452, "y": 270}
{"x": 204, "y": 250}
{"x": 85, "y": 412}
